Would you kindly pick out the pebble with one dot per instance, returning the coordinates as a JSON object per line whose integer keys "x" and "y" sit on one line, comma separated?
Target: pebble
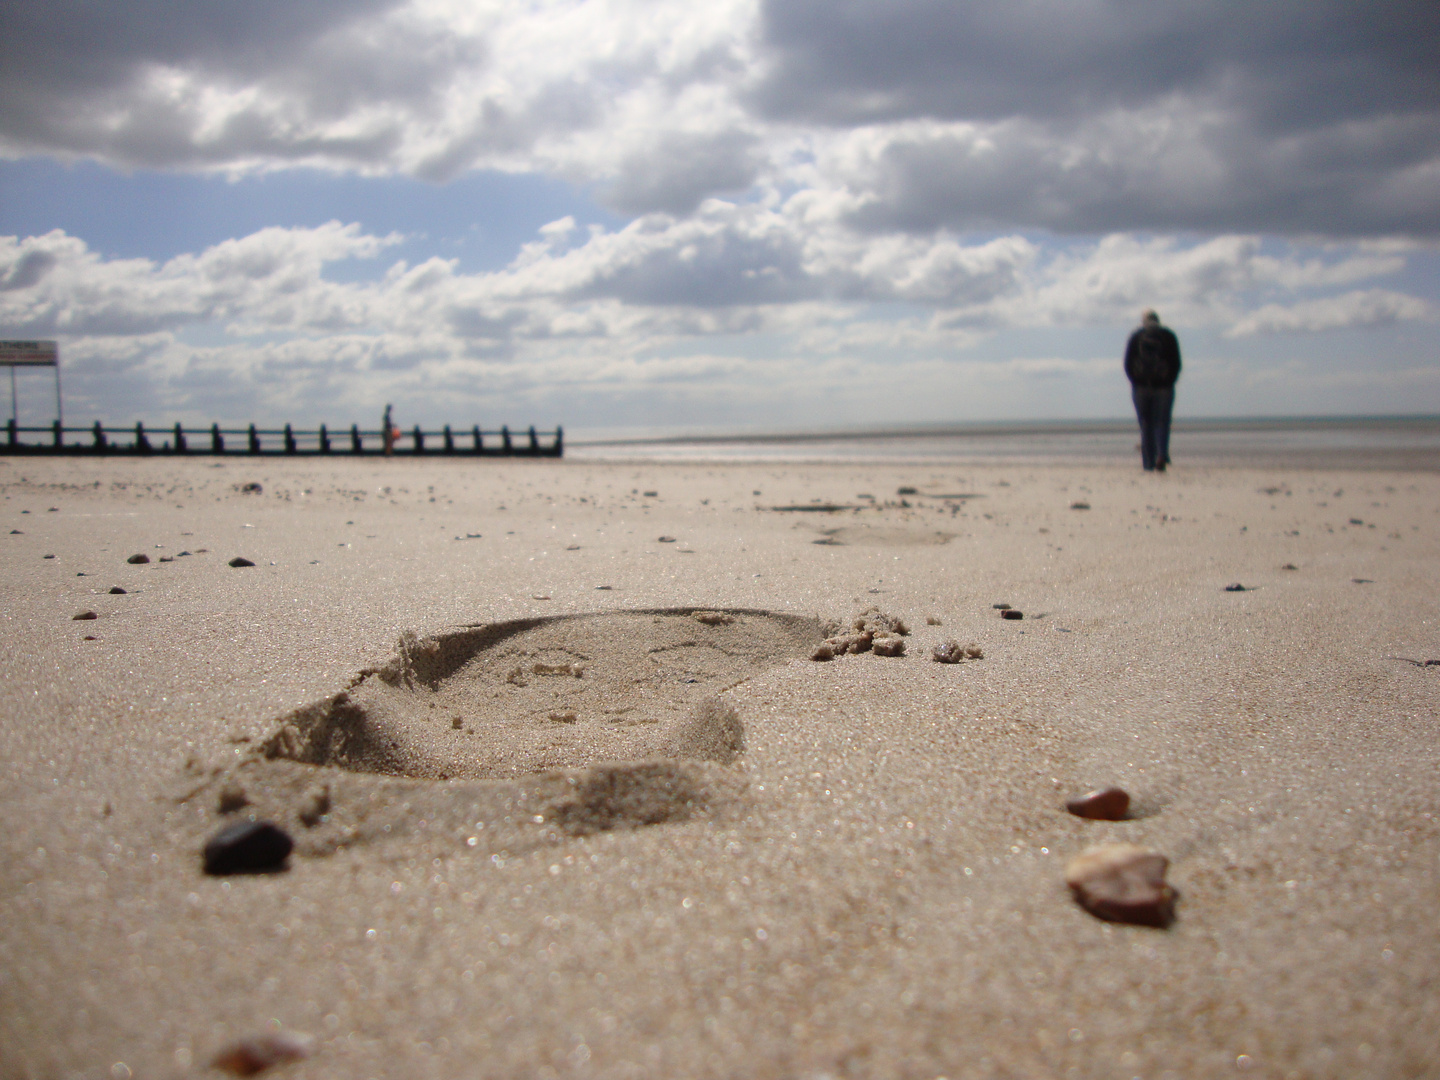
{"x": 247, "y": 847}
{"x": 667, "y": 540}
{"x": 116, "y": 590}
{"x": 1012, "y": 613}
{"x": 1289, "y": 566}
{"x": 138, "y": 560}
{"x": 1236, "y": 587}
{"x": 246, "y": 1057}
{"x": 16, "y": 532}
{"x": 240, "y": 561}
{"x": 49, "y": 556}
{"x": 84, "y": 615}
{"x": 1122, "y": 883}
{"x": 933, "y": 620}
{"x": 1102, "y": 804}
{"x": 906, "y": 491}
{"x": 1001, "y": 607}
{"x": 1080, "y": 506}
{"x": 251, "y": 488}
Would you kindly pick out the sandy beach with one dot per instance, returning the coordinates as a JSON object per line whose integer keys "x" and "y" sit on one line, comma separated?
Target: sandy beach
{"x": 569, "y": 798}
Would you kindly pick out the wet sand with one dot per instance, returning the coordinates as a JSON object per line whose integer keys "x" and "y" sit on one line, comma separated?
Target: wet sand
{"x": 570, "y": 799}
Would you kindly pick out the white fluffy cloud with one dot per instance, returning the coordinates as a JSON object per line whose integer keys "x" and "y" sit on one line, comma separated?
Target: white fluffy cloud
{"x": 1319, "y": 117}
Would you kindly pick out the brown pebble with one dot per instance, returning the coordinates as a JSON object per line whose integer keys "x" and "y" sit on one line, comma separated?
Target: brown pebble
{"x": 1289, "y": 566}
{"x": 1122, "y": 883}
{"x": 667, "y": 540}
{"x": 84, "y": 615}
{"x": 89, "y": 637}
{"x": 48, "y": 556}
{"x": 240, "y": 561}
{"x": 1012, "y": 613}
{"x": 138, "y": 560}
{"x": 1236, "y": 587}
{"x": 1102, "y": 804}
{"x": 116, "y": 590}
{"x": 247, "y": 1057}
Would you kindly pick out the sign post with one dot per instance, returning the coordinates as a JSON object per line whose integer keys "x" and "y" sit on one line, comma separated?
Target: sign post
{"x": 15, "y": 354}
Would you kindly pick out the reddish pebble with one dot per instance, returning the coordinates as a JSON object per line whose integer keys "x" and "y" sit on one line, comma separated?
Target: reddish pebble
{"x": 1011, "y": 613}
{"x": 1103, "y": 804}
{"x": 1122, "y": 883}
{"x": 138, "y": 559}
{"x": 84, "y": 615}
{"x": 258, "y": 1053}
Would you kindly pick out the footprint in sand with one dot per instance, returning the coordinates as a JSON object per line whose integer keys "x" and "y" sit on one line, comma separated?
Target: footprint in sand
{"x": 588, "y": 722}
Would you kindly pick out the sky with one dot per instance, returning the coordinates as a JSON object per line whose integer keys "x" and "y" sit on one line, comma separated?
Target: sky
{"x": 736, "y": 215}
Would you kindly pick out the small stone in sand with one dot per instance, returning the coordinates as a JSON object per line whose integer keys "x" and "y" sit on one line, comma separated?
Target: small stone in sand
{"x": 247, "y": 847}
{"x": 258, "y": 1053}
{"x": 652, "y": 494}
{"x": 457, "y": 722}
{"x": 240, "y": 561}
{"x": 116, "y": 590}
{"x": 84, "y": 615}
{"x": 1236, "y": 587}
{"x": 667, "y": 540}
{"x": 1012, "y": 613}
{"x": 138, "y": 560}
{"x": 1103, "y": 804}
{"x": 232, "y": 798}
{"x": 888, "y": 645}
{"x": 952, "y": 652}
{"x": 1289, "y": 566}
{"x": 1122, "y": 883}
{"x": 1363, "y": 580}
{"x": 251, "y": 488}
{"x": 603, "y": 588}
{"x": 933, "y": 620}
{"x": 49, "y": 556}
{"x": 16, "y": 532}
{"x": 572, "y": 547}
{"x": 1001, "y": 607}
{"x": 906, "y": 491}
{"x": 1080, "y": 506}
{"x": 315, "y": 806}
{"x": 89, "y": 637}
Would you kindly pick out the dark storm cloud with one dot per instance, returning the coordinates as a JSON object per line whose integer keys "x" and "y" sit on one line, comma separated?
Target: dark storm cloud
{"x": 1288, "y": 116}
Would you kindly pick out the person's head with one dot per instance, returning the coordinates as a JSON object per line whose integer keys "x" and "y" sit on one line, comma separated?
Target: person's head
{"x": 1150, "y": 318}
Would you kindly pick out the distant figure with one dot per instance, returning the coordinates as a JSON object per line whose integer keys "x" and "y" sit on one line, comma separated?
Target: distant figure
{"x": 1152, "y": 364}
{"x": 387, "y": 432}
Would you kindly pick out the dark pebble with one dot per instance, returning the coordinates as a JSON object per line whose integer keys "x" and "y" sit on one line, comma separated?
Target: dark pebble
{"x": 1123, "y": 883}
{"x": 247, "y": 847}
{"x": 1236, "y": 587}
{"x": 652, "y": 494}
{"x": 84, "y": 615}
{"x": 239, "y": 561}
{"x": 116, "y": 590}
{"x": 906, "y": 491}
{"x": 49, "y": 556}
{"x": 1001, "y": 607}
{"x": 1011, "y": 613}
{"x": 1103, "y": 804}
{"x": 181, "y": 554}
{"x": 1356, "y": 521}
{"x": 667, "y": 540}
{"x": 252, "y": 488}
{"x": 1363, "y": 580}
{"x": 260, "y": 1052}
{"x": 137, "y": 560}
{"x": 1289, "y": 566}
{"x": 16, "y": 532}
{"x": 1079, "y": 506}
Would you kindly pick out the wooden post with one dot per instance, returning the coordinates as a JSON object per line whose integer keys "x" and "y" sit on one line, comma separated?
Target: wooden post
{"x": 59, "y": 433}
{"x": 99, "y": 433}
{"x": 324, "y": 440}
{"x": 505, "y": 438}
{"x": 180, "y": 446}
{"x": 254, "y": 440}
{"x": 449, "y": 441}
{"x": 419, "y": 437}
{"x": 217, "y": 441}
{"x": 479, "y": 442}
{"x": 355, "y": 446}
{"x": 534, "y": 442}
{"x": 289, "y": 440}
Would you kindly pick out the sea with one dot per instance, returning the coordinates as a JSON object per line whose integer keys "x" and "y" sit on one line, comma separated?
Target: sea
{"x": 1403, "y": 443}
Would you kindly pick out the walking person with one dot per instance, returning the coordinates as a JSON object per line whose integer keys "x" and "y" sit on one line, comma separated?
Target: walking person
{"x": 387, "y": 433}
{"x": 1152, "y": 364}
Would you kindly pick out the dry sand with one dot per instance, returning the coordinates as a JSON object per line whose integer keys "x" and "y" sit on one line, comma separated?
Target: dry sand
{"x": 550, "y": 823}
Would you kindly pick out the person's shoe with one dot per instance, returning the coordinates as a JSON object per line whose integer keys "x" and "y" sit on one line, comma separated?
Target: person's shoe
{"x": 1160, "y": 467}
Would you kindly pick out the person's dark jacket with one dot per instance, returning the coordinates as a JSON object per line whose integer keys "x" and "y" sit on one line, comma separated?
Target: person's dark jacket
{"x": 1152, "y": 358}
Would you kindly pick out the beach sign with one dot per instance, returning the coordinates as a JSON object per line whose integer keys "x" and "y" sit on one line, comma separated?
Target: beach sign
{"x": 30, "y": 353}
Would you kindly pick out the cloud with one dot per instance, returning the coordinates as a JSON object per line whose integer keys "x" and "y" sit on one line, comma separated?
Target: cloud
{"x": 1318, "y": 117}
{"x": 1362, "y": 308}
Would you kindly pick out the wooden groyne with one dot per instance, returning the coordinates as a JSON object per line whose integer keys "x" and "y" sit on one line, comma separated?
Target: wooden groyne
{"x": 100, "y": 440}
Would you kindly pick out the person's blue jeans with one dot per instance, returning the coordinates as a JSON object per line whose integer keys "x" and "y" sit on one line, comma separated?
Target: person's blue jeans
{"x": 1152, "y": 409}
